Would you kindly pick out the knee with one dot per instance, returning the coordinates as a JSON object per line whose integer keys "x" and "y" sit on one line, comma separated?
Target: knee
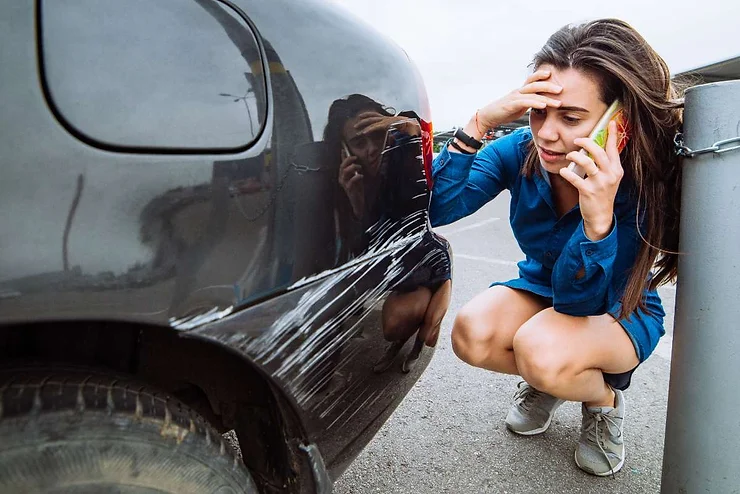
{"x": 473, "y": 339}
{"x": 538, "y": 360}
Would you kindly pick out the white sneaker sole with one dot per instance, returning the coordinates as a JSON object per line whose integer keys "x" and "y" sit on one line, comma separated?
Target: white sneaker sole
{"x": 616, "y": 468}
{"x": 542, "y": 429}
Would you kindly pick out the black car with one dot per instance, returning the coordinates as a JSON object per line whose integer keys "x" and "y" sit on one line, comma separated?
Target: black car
{"x": 213, "y": 231}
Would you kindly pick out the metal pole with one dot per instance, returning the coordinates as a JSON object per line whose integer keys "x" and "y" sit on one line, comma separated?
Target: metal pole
{"x": 702, "y": 450}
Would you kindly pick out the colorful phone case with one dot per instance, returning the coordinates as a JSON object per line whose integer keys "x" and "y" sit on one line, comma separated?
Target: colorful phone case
{"x": 600, "y": 133}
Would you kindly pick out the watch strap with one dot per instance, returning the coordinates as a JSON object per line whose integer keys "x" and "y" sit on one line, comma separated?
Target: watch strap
{"x": 460, "y": 148}
{"x": 467, "y": 140}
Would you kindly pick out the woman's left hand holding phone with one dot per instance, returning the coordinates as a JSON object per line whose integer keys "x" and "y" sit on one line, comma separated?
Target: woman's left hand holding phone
{"x": 598, "y": 190}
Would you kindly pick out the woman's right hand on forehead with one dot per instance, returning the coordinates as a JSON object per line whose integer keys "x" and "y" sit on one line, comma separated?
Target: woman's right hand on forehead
{"x": 515, "y": 104}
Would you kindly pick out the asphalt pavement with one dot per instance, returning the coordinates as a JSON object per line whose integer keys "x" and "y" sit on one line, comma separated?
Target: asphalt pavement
{"x": 448, "y": 436}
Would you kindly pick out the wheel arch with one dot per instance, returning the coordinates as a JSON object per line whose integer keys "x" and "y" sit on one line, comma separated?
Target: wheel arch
{"x": 223, "y": 386}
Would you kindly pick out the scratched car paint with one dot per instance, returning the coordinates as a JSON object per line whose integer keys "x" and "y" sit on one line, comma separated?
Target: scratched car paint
{"x": 180, "y": 207}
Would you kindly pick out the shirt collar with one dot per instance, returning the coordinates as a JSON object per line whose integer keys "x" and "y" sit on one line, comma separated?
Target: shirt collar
{"x": 545, "y": 175}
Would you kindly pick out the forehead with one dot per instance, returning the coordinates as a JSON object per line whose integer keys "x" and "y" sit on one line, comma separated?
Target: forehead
{"x": 579, "y": 88}
{"x": 348, "y": 129}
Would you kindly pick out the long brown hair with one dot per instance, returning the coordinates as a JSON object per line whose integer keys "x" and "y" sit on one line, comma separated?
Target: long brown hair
{"x": 626, "y": 67}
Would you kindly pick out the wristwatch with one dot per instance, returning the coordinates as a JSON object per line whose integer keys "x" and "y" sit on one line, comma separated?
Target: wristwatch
{"x": 467, "y": 140}
{"x": 460, "y": 148}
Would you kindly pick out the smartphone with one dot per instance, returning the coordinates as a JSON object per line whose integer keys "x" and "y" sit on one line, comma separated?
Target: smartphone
{"x": 600, "y": 133}
{"x": 345, "y": 151}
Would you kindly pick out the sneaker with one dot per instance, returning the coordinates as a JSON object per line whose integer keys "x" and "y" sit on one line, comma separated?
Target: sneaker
{"x": 532, "y": 410}
{"x": 410, "y": 361}
{"x": 384, "y": 362}
{"x": 600, "y": 450}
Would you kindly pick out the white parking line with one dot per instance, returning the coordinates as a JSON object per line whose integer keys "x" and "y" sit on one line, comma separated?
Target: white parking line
{"x": 468, "y": 227}
{"x": 664, "y": 348}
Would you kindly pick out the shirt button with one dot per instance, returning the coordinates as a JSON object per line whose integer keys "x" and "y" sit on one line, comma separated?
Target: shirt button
{"x": 589, "y": 252}
{"x": 548, "y": 254}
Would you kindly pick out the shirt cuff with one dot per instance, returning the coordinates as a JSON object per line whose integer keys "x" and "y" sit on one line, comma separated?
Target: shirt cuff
{"x": 455, "y": 165}
{"x": 596, "y": 251}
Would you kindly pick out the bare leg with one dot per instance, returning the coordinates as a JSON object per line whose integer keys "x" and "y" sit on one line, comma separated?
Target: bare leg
{"x": 484, "y": 329}
{"x": 435, "y": 312}
{"x": 403, "y": 313}
{"x": 565, "y": 355}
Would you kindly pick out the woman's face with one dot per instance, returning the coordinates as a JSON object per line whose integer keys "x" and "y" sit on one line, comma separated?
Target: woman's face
{"x": 367, "y": 147}
{"x": 554, "y": 129}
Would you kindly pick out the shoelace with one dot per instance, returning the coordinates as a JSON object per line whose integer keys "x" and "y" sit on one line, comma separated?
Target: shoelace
{"x": 595, "y": 434}
{"x": 526, "y": 395}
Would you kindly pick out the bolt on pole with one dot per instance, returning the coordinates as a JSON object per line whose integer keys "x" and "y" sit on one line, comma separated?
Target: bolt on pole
{"x": 702, "y": 450}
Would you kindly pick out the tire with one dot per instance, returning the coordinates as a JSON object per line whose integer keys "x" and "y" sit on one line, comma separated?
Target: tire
{"x": 78, "y": 431}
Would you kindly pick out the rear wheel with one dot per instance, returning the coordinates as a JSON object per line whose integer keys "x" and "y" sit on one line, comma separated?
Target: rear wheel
{"x": 75, "y": 431}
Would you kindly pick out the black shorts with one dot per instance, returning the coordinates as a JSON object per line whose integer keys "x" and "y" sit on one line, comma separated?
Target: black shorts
{"x": 619, "y": 381}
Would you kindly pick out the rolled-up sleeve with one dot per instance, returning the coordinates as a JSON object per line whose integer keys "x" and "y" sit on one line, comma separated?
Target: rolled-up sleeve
{"x": 463, "y": 183}
{"x": 583, "y": 272}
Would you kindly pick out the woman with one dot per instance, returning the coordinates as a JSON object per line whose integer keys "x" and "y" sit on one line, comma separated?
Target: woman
{"x": 378, "y": 177}
{"x": 584, "y": 312}
{"x": 358, "y": 133}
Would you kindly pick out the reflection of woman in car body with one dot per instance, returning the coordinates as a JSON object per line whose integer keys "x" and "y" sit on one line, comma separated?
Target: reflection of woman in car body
{"x": 378, "y": 187}
{"x": 377, "y": 175}
{"x": 584, "y": 312}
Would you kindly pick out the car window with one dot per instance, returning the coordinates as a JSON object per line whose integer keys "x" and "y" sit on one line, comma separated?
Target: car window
{"x": 153, "y": 74}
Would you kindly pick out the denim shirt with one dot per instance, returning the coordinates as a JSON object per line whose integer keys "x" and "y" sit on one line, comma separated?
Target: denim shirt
{"x": 581, "y": 276}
